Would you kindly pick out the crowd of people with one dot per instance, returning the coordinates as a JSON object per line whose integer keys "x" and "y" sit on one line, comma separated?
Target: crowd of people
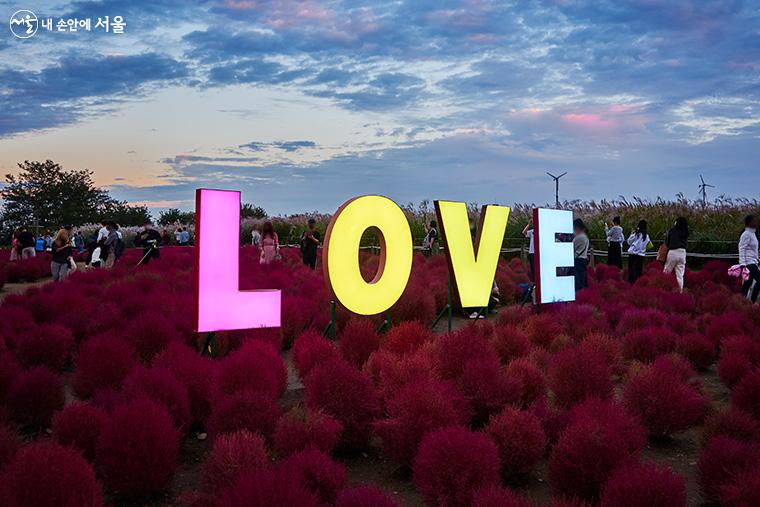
{"x": 672, "y": 252}
{"x": 104, "y": 247}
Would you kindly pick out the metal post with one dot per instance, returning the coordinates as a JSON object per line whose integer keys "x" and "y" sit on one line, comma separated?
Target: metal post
{"x": 329, "y": 331}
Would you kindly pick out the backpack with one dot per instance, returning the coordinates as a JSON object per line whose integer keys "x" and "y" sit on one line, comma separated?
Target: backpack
{"x": 118, "y": 247}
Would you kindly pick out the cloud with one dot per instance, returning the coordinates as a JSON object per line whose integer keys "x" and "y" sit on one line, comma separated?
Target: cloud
{"x": 58, "y": 94}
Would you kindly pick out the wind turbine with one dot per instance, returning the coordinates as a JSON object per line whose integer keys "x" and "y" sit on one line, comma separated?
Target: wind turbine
{"x": 556, "y": 187}
{"x": 703, "y": 188}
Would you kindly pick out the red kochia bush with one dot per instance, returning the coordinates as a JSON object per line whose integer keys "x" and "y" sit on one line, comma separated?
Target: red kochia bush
{"x": 342, "y": 391}
{"x": 9, "y": 370}
{"x": 520, "y": 439}
{"x": 364, "y": 496}
{"x": 358, "y": 340}
{"x": 601, "y": 436}
{"x": 103, "y": 362}
{"x": 720, "y": 462}
{"x": 746, "y": 394}
{"x": 231, "y": 456}
{"x": 317, "y": 473}
{"x": 542, "y": 329}
{"x": 732, "y": 367}
{"x": 391, "y": 372}
{"x": 498, "y": 496}
{"x": 743, "y": 491}
{"x": 647, "y": 344}
{"x": 137, "y": 448}
{"x": 451, "y": 352}
{"x": 265, "y": 487}
{"x": 406, "y": 337}
{"x": 661, "y": 398}
{"x": 418, "y": 408}
{"x": 644, "y": 484}
{"x": 79, "y": 425}
{"x": 48, "y": 474}
{"x": 194, "y": 372}
{"x": 487, "y": 388}
{"x": 35, "y": 396}
{"x": 531, "y": 378}
{"x": 579, "y": 373}
{"x": 731, "y": 423}
{"x": 309, "y": 350}
{"x": 249, "y": 410}
{"x": 301, "y": 429}
{"x": 158, "y": 384}
{"x": 510, "y": 343}
{"x": 45, "y": 345}
{"x": 256, "y": 366}
{"x": 9, "y": 444}
{"x": 150, "y": 333}
{"x": 697, "y": 348}
{"x": 452, "y": 463}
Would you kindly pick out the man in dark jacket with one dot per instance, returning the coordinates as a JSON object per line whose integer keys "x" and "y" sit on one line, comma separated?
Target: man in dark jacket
{"x": 149, "y": 239}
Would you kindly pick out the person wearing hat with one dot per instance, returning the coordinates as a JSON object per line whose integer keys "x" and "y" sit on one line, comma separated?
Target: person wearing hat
{"x": 149, "y": 239}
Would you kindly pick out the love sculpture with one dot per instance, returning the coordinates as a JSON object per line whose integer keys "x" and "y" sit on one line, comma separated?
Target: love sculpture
{"x": 220, "y": 305}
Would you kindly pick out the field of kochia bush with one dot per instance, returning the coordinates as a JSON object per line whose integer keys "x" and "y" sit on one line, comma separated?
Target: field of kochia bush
{"x": 108, "y": 362}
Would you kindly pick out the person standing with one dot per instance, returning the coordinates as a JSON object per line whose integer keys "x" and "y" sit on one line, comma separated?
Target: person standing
{"x": 165, "y": 237}
{"x": 270, "y": 244}
{"x": 255, "y": 235}
{"x": 580, "y": 246}
{"x": 638, "y": 242}
{"x": 108, "y": 246}
{"x": 15, "y": 248}
{"x": 431, "y": 239}
{"x": 149, "y": 239}
{"x": 309, "y": 243}
{"x": 26, "y": 243}
{"x": 615, "y": 240}
{"x": 78, "y": 242}
{"x": 528, "y": 233}
{"x": 676, "y": 240}
{"x": 61, "y": 255}
{"x": 748, "y": 255}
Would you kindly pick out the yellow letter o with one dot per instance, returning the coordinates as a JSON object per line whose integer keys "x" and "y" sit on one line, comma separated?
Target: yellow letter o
{"x": 340, "y": 257}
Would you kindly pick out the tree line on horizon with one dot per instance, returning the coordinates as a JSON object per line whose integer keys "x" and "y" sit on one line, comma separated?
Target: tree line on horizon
{"x": 44, "y": 194}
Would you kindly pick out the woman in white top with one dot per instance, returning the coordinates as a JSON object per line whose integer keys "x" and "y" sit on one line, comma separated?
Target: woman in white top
{"x": 637, "y": 249}
{"x": 614, "y": 243}
{"x": 748, "y": 253}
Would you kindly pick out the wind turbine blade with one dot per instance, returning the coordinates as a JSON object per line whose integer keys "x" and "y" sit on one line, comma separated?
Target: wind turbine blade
{"x": 564, "y": 173}
{"x": 550, "y": 174}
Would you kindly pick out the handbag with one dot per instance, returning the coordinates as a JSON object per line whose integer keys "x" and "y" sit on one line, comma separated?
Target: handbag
{"x": 662, "y": 253}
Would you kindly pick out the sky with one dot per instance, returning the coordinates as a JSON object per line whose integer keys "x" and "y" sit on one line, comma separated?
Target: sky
{"x": 301, "y": 105}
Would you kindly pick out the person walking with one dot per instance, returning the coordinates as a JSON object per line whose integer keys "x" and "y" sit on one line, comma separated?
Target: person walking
{"x": 61, "y": 249}
{"x": 309, "y": 243}
{"x": 184, "y": 237}
{"x": 580, "y": 246}
{"x": 748, "y": 255}
{"x": 431, "y": 239}
{"x": 675, "y": 241}
{"x": 270, "y": 244}
{"x": 615, "y": 240}
{"x": 149, "y": 239}
{"x": 528, "y": 233}
{"x": 638, "y": 243}
{"x": 27, "y": 243}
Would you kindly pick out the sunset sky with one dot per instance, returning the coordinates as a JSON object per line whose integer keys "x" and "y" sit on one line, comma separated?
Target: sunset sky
{"x": 303, "y": 104}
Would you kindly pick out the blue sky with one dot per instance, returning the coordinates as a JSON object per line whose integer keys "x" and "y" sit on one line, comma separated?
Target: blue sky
{"x": 303, "y": 104}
